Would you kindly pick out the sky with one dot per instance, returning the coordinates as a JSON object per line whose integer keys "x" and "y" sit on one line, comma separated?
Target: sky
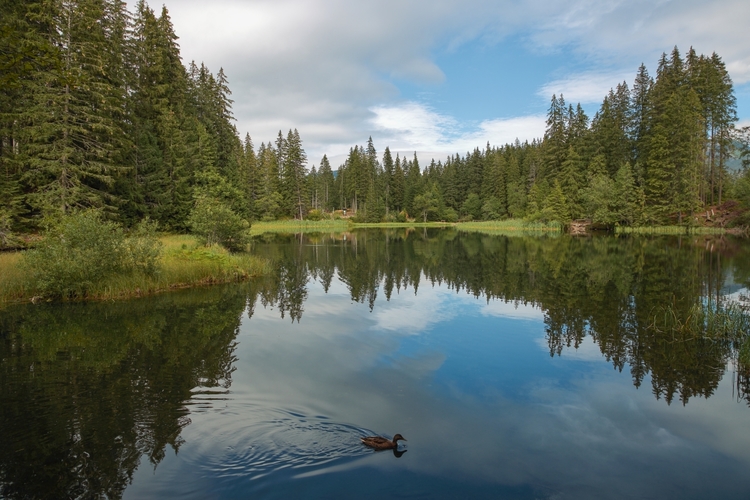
{"x": 440, "y": 77}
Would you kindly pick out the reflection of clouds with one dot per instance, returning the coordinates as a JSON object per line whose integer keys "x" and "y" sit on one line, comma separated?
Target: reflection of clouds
{"x": 414, "y": 313}
{"x": 741, "y": 297}
{"x": 503, "y": 309}
{"x": 588, "y": 350}
{"x": 411, "y": 313}
{"x": 567, "y": 430}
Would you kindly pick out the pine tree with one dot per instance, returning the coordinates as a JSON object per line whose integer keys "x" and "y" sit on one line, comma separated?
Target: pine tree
{"x": 627, "y": 197}
{"x": 73, "y": 125}
{"x": 389, "y": 170}
{"x": 640, "y": 112}
{"x": 398, "y": 185}
{"x": 326, "y": 184}
{"x": 557, "y": 206}
{"x": 249, "y": 177}
{"x": 516, "y": 188}
{"x": 555, "y": 143}
{"x": 610, "y": 129}
{"x": 293, "y": 173}
{"x": 412, "y": 184}
{"x": 571, "y": 181}
{"x": 269, "y": 200}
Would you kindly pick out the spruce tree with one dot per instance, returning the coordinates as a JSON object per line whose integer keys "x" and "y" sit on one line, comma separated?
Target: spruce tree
{"x": 326, "y": 184}
{"x": 73, "y": 127}
{"x": 398, "y": 185}
{"x": 389, "y": 170}
{"x": 555, "y": 138}
{"x": 293, "y": 173}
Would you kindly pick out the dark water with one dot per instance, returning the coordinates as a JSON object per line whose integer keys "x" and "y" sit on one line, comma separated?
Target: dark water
{"x": 515, "y": 367}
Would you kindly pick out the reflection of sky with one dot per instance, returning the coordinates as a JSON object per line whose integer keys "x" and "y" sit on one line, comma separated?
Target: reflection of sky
{"x": 471, "y": 385}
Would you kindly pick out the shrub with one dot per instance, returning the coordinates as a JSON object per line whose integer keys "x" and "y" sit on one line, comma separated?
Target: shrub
{"x": 215, "y": 222}
{"x": 82, "y": 250}
{"x": 450, "y": 215}
{"x": 314, "y": 215}
{"x": 143, "y": 248}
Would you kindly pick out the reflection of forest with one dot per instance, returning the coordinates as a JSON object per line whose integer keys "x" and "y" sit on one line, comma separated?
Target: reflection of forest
{"x": 608, "y": 288}
{"x": 88, "y": 389}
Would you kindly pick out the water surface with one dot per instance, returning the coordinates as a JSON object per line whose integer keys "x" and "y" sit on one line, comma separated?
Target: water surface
{"x": 516, "y": 368}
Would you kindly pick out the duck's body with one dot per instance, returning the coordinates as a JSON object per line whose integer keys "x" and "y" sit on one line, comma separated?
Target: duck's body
{"x": 381, "y": 443}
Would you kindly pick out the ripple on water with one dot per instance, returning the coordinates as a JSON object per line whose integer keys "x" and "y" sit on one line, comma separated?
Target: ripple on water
{"x": 276, "y": 439}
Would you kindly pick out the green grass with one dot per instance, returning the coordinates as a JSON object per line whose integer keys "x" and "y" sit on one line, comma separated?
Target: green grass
{"x": 339, "y": 225}
{"x": 669, "y": 230}
{"x": 510, "y": 226}
{"x": 300, "y": 226}
{"x": 183, "y": 263}
{"x": 12, "y": 282}
{"x": 709, "y": 321}
{"x": 389, "y": 225}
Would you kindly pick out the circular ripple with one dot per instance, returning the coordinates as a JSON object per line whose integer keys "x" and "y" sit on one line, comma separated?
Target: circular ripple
{"x": 284, "y": 439}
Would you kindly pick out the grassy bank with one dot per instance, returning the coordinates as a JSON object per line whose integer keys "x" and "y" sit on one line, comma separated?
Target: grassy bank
{"x": 300, "y": 226}
{"x": 339, "y": 225}
{"x": 183, "y": 263}
{"x": 510, "y": 226}
{"x": 670, "y": 230}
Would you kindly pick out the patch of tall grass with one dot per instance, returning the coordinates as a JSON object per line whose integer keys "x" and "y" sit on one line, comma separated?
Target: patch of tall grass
{"x": 300, "y": 226}
{"x": 510, "y": 226}
{"x": 669, "y": 230}
{"x": 182, "y": 266}
{"x": 13, "y": 283}
{"x": 339, "y": 225}
{"x": 390, "y": 225}
{"x": 182, "y": 263}
{"x": 720, "y": 322}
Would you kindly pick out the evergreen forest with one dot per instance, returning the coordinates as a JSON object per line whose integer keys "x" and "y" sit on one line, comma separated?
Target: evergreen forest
{"x": 97, "y": 110}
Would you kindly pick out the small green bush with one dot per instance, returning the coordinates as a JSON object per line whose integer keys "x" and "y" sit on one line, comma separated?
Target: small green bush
{"x": 82, "y": 250}
{"x": 215, "y": 222}
{"x": 314, "y": 215}
{"x": 143, "y": 248}
{"x": 450, "y": 215}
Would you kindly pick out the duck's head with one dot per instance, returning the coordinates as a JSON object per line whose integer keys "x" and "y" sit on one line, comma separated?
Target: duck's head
{"x": 398, "y": 437}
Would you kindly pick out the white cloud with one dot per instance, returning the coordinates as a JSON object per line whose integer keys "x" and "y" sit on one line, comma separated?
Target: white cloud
{"x": 324, "y": 67}
{"x": 412, "y": 126}
{"x": 585, "y": 88}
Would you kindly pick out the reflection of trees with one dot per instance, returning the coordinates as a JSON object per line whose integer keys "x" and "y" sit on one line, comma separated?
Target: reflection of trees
{"x": 88, "y": 389}
{"x": 606, "y": 288}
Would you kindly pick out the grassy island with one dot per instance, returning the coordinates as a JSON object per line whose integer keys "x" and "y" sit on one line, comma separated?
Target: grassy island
{"x": 86, "y": 257}
{"x": 183, "y": 263}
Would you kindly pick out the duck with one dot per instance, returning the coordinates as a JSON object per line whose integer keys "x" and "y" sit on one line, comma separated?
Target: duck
{"x": 381, "y": 443}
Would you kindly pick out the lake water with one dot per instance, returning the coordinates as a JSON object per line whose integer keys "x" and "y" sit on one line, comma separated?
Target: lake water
{"x": 516, "y": 367}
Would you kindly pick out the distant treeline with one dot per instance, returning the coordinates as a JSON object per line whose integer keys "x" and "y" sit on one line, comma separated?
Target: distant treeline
{"x": 97, "y": 110}
{"x": 652, "y": 154}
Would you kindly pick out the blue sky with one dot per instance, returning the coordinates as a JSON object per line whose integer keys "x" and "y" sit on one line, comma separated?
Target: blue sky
{"x": 444, "y": 76}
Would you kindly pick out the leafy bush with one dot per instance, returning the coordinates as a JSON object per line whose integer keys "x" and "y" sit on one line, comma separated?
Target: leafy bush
{"x": 450, "y": 215}
{"x": 82, "y": 250}
{"x": 215, "y": 222}
{"x": 143, "y": 248}
{"x": 314, "y": 215}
